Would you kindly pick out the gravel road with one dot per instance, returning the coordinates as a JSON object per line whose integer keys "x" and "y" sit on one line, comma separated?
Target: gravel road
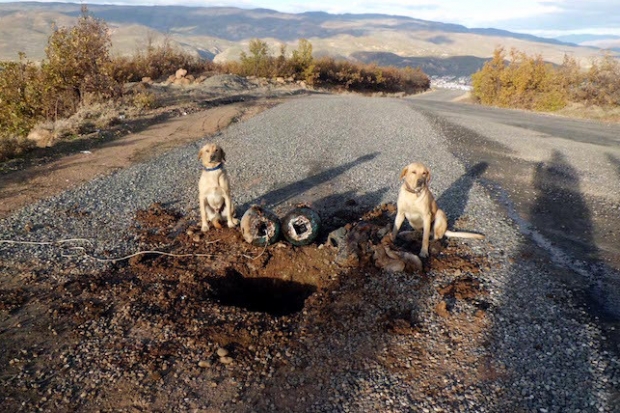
{"x": 551, "y": 343}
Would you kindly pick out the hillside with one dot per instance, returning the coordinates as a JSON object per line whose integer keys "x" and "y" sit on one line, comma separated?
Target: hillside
{"x": 221, "y": 33}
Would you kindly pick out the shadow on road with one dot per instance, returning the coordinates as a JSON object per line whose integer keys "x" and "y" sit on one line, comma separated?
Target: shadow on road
{"x": 549, "y": 315}
{"x": 559, "y": 210}
{"x": 290, "y": 191}
{"x": 337, "y": 210}
{"x": 454, "y": 199}
{"x": 616, "y": 162}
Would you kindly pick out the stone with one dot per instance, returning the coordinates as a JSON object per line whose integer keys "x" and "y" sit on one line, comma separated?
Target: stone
{"x": 43, "y": 138}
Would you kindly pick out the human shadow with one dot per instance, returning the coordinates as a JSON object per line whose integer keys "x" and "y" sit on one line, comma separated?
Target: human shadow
{"x": 454, "y": 199}
{"x": 290, "y": 191}
{"x": 559, "y": 211}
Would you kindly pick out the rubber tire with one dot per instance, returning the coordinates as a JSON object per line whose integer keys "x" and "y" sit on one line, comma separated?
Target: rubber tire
{"x": 252, "y": 221}
{"x": 301, "y": 216}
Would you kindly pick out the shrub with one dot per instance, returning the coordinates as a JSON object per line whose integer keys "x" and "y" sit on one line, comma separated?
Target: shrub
{"x": 344, "y": 75}
{"x": 259, "y": 61}
{"x": 20, "y": 96}
{"x": 78, "y": 61}
{"x": 528, "y": 82}
{"x": 601, "y": 84}
{"x": 144, "y": 100}
{"x": 156, "y": 62}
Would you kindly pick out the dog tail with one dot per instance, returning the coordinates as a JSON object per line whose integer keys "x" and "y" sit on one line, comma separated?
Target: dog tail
{"x": 454, "y": 234}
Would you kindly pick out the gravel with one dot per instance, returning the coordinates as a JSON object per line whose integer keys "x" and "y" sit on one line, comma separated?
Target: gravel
{"x": 539, "y": 351}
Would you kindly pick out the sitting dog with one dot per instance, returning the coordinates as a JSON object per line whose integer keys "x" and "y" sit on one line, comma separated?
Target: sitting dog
{"x": 213, "y": 188}
{"x": 417, "y": 204}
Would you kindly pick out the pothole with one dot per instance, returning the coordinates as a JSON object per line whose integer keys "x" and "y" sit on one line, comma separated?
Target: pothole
{"x": 270, "y": 295}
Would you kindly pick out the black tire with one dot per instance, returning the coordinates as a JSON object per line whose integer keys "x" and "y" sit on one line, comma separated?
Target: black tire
{"x": 301, "y": 226}
{"x": 259, "y": 226}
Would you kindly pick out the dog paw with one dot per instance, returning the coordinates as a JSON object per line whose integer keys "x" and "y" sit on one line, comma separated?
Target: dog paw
{"x": 204, "y": 228}
{"x": 424, "y": 254}
{"x": 233, "y": 222}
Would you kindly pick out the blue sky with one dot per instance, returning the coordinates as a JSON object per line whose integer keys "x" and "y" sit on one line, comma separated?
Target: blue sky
{"x": 540, "y": 17}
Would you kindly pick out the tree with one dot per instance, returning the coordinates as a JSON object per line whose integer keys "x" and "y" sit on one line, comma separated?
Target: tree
{"x": 487, "y": 81}
{"x": 78, "y": 58}
{"x": 259, "y": 62}
{"x": 302, "y": 60}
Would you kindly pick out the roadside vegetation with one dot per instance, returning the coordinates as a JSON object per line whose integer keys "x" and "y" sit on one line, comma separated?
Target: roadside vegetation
{"x": 518, "y": 80}
{"x": 79, "y": 86}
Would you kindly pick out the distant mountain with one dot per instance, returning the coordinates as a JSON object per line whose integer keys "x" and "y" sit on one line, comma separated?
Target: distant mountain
{"x": 221, "y": 33}
{"x": 584, "y": 38}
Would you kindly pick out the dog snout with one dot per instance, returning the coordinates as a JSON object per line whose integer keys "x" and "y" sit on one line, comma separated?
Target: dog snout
{"x": 420, "y": 182}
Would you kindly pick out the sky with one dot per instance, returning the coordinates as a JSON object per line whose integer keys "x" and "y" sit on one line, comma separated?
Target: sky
{"x": 549, "y": 18}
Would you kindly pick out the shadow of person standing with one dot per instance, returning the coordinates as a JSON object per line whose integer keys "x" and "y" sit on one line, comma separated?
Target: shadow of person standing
{"x": 560, "y": 212}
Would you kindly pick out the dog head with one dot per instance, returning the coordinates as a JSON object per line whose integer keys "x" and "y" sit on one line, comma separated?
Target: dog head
{"x": 211, "y": 155}
{"x": 416, "y": 176}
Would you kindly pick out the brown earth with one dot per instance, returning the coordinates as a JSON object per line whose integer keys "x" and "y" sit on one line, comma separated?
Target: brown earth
{"x": 215, "y": 318}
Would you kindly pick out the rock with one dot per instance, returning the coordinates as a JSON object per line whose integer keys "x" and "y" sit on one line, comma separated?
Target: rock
{"x": 226, "y": 360}
{"x": 204, "y": 364}
{"x": 42, "y": 137}
{"x": 222, "y": 352}
{"x": 147, "y": 79}
{"x": 180, "y": 74}
{"x": 442, "y": 310}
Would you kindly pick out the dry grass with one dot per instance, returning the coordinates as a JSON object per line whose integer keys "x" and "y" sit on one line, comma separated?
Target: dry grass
{"x": 582, "y": 111}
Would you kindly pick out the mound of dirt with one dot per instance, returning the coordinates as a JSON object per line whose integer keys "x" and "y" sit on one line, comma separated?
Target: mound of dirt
{"x": 206, "y": 310}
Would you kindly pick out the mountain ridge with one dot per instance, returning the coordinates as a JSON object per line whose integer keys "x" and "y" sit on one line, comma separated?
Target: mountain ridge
{"x": 223, "y": 32}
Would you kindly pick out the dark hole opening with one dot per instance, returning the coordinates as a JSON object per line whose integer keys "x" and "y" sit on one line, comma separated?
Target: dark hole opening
{"x": 262, "y": 229}
{"x": 261, "y": 294}
{"x": 300, "y": 229}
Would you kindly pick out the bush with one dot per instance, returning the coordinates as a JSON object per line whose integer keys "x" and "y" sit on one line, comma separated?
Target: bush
{"x": 259, "y": 61}
{"x": 157, "y": 62}
{"x": 20, "y": 96}
{"x": 78, "y": 62}
{"x": 528, "y": 82}
{"x": 344, "y": 75}
{"x": 73, "y": 74}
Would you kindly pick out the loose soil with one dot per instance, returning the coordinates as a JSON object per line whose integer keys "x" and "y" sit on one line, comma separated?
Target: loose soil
{"x": 144, "y": 335}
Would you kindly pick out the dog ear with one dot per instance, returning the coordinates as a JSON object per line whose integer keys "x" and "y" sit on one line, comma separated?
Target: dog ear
{"x": 223, "y": 155}
{"x": 428, "y": 177}
{"x": 404, "y": 172}
{"x": 200, "y": 153}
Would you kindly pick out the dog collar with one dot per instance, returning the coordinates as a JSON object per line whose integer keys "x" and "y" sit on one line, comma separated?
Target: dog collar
{"x": 413, "y": 191}
{"x": 219, "y": 166}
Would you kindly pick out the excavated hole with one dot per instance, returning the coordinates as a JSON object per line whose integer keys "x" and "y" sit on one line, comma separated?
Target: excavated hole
{"x": 273, "y": 296}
